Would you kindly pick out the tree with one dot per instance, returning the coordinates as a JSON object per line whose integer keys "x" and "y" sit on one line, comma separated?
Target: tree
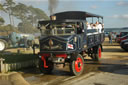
{"x": 1, "y": 21}
{"x": 21, "y": 12}
{"x": 29, "y": 15}
{"x": 26, "y": 27}
{"x": 41, "y": 14}
{"x": 1, "y": 7}
{"x": 36, "y": 14}
{"x": 8, "y": 6}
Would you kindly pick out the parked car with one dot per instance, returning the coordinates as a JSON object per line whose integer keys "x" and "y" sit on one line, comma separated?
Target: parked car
{"x": 122, "y": 36}
{"x": 124, "y": 44}
{"x": 106, "y": 34}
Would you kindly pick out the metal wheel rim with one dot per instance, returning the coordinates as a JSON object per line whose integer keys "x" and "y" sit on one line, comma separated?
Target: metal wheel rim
{"x": 2, "y": 46}
{"x": 78, "y": 64}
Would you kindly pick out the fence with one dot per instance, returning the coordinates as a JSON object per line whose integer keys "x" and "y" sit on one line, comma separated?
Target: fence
{"x": 4, "y": 67}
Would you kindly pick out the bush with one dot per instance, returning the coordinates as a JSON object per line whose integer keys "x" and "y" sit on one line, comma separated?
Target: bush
{"x": 14, "y": 58}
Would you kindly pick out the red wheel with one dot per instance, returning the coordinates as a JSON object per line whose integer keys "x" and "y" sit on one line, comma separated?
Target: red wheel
{"x": 77, "y": 66}
{"x": 99, "y": 52}
{"x": 96, "y": 55}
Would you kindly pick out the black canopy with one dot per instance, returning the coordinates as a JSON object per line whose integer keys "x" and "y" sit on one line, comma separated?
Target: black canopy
{"x": 74, "y": 15}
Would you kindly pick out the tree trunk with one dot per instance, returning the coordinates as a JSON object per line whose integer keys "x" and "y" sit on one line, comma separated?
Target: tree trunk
{"x": 32, "y": 20}
{"x": 13, "y": 21}
{"x": 10, "y": 19}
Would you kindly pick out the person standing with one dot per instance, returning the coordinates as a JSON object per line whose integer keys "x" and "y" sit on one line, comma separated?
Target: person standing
{"x": 99, "y": 27}
{"x": 110, "y": 37}
{"x": 88, "y": 25}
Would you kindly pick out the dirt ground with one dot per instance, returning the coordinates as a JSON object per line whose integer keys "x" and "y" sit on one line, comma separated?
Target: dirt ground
{"x": 111, "y": 70}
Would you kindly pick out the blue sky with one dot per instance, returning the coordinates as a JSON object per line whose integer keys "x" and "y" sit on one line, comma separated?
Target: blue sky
{"x": 115, "y": 12}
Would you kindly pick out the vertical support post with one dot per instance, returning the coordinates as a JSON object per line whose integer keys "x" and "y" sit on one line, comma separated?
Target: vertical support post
{"x": 2, "y": 65}
{"x": 98, "y": 19}
{"x": 102, "y": 21}
{"x": 92, "y": 19}
{"x": 103, "y": 24}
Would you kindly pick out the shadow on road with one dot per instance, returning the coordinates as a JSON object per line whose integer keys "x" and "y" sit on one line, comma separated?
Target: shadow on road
{"x": 36, "y": 71}
{"x": 107, "y": 67}
{"x": 117, "y": 69}
{"x": 113, "y": 50}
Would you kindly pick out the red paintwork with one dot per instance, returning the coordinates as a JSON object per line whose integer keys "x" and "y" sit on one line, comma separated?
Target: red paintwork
{"x": 99, "y": 52}
{"x": 45, "y": 55}
{"x": 121, "y": 38}
{"x": 124, "y": 38}
{"x": 77, "y": 62}
{"x": 43, "y": 59}
{"x": 118, "y": 40}
{"x": 62, "y": 55}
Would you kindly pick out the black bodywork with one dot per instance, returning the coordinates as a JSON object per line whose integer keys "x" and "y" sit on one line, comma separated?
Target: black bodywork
{"x": 124, "y": 44}
{"x": 84, "y": 40}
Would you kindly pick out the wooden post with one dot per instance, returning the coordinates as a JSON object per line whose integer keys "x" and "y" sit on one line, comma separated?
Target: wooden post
{"x": 2, "y": 65}
{"x": 33, "y": 47}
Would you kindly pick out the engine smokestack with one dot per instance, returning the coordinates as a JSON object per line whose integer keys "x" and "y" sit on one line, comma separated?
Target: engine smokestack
{"x": 52, "y": 6}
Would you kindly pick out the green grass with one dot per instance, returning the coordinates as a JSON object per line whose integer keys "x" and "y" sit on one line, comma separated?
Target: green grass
{"x": 15, "y": 58}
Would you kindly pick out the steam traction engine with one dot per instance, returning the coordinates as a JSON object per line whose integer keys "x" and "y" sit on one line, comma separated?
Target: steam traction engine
{"x": 66, "y": 39}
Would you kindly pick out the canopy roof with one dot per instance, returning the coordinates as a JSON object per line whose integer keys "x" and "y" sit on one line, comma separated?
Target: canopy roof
{"x": 75, "y": 15}
{"x": 58, "y": 21}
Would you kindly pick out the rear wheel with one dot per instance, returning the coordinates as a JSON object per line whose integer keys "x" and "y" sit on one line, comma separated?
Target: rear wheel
{"x": 46, "y": 70}
{"x": 96, "y": 53}
{"x": 2, "y": 45}
{"x": 77, "y": 65}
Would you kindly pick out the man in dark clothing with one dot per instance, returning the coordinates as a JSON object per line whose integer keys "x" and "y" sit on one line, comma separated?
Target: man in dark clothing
{"x": 110, "y": 38}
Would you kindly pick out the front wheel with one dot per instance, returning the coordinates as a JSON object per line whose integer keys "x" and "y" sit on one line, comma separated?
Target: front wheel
{"x": 77, "y": 65}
